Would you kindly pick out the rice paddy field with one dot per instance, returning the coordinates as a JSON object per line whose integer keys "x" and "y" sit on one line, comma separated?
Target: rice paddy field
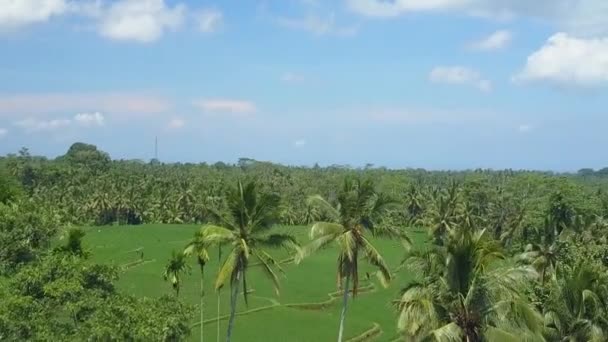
{"x": 303, "y": 311}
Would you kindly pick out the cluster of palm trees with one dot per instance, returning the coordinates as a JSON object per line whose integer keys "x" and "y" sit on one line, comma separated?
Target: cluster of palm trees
{"x": 471, "y": 284}
{"x": 244, "y": 230}
{"x": 471, "y": 287}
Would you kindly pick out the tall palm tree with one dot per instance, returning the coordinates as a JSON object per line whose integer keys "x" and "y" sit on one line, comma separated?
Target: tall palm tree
{"x": 441, "y": 216}
{"x": 245, "y": 230}
{"x": 414, "y": 205}
{"x": 198, "y": 247}
{"x": 174, "y": 269}
{"x": 358, "y": 208}
{"x": 577, "y": 310}
{"x": 463, "y": 297}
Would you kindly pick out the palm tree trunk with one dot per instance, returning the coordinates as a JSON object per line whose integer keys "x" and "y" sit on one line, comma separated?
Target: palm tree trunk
{"x": 542, "y": 276}
{"x": 219, "y": 297}
{"x": 202, "y": 301}
{"x": 233, "y": 298}
{"x": 344, "y": 304}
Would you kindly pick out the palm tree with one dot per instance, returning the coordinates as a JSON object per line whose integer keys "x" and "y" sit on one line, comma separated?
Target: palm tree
{"x": 462, "y": 297}
{"x": 357, "y": 209}
{"x": 174, "y": 269}
{"x": 198, "y": 248}
{"x": 245, "y": 229}
{"x": 441, "y": 216}
{"x": 414, "y": 207}
{"x": 577, "y": 308}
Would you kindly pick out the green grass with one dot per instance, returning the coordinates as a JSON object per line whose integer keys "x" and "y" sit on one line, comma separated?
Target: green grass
{"x": 309, "y": 282}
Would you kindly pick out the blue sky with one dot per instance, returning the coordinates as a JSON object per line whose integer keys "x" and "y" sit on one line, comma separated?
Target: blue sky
{"x": 403, "y": 83}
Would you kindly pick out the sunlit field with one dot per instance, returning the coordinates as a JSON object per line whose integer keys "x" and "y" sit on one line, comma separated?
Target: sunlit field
{"x": 142, "y": 251}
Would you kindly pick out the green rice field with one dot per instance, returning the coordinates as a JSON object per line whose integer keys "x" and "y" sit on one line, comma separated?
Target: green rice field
{"x": 303, "y": 311}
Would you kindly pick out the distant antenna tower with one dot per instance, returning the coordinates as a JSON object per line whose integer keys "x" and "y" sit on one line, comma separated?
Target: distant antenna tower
{"x": 156, "y": 148}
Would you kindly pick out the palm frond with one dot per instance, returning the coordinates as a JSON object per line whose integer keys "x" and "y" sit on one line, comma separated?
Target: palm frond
{"x": 214, "y": 235}
{"x": 324, "y": 206}
{"x": 314, "y": 246}
{"x": 227, "y": 270}
{"x": 373, "y": 257}
{"x": 450, "y": 332}
{"x": 267, "y": 262}
{"x": 320, "y": 229}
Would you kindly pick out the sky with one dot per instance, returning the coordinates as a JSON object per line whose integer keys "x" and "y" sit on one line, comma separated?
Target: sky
{"x": 437, "y": 84}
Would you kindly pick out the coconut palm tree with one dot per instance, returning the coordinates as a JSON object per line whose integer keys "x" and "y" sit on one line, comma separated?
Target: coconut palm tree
{"x": 441, "y": 216}
{"x": 577, "y": 306}
{"x": 244, "y": 229}
{"x": 414, "y": 204}
{"x": 463, "y": 297}
{"x": 358, "y": 208}
{"x": 174, "y": 269}
{"x": 198, "y": 247}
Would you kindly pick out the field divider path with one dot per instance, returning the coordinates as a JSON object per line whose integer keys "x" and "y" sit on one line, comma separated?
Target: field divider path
{"x": 333, "y": 297}
{"x": 368, "y": 335}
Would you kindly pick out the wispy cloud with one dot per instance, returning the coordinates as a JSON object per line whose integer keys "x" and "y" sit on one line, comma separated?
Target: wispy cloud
{"x": 318, "y": 25}
{"x": 176, "y": 123}
{"x": 587, "y": 17}
{"x": 3, "y": 132}
{"x": 524, "y": 128}
{"x": 459, "y": 75}
{"x": 292, "y": 77}
{"x": 90, "y": 119}
{"x": 496, "y": 41}
{"x": 86, "y": 120}
{"x": 210, "y": 20}
{"x": 122, "y": 105}
{"x": 232, "y": 106}
{"x": 299, "y": 143}
{"x": 32, "y": 125}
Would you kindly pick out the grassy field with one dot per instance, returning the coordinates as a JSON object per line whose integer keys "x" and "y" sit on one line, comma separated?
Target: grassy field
{"x": 310, "y": 282}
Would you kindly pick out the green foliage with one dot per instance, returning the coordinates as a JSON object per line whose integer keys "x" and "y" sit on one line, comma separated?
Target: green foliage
{"x": 490, "y": 233}
{"x": 63, "y": 297}
{"x": 25, "y": 231}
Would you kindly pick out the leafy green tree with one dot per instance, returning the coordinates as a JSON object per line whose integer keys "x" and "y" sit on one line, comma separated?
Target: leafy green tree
{"x": 62, "y": 297}
{"x": 358, "y": 207}
{"x": 26, "y": 230}
{"x": 73, "y": 243}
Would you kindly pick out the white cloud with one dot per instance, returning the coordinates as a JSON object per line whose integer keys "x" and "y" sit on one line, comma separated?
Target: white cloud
{"x": 292, "y": 77}
{"x": 90, "y": 119}
{"x": 176, "y": 123}
{"x": 140, "y": 20}
{"x": 575, "y": 16}
{"x": 459, "y": 75}
{"x": 209, "y": 20}
{"x": 87, "y": 120}
{"x": 381, "y": 8}
{"x": 318, "y": 25}
{"x": 32, "y": 125}
{"x": 496, "y": 41}
{"x": 566, "y": 60}
{"x": 299, "y": 143}
{"x": 3, "y": 132}
{"x": 524, "y": 128}
{"x": 225, "y": 106}
{"x": 18, "y": 13}
{"x": 123, "y": 105}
